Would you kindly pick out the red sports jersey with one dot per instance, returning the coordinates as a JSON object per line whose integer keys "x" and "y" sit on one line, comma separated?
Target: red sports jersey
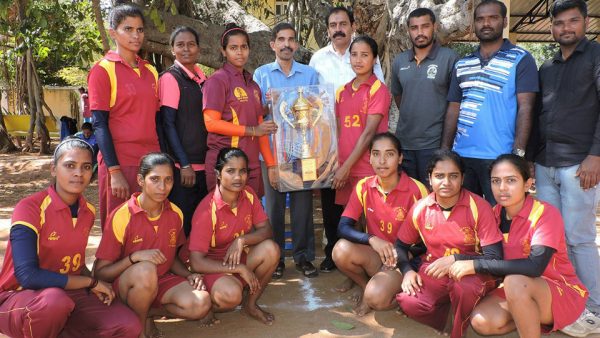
{"x": 215, "y": 225}
{"x": 129, "y": 229}
{"x": 470, "y": 225}
{"x": 539, "y": 223}
{"x": 352, "y": 108}
{"x": 237, "y": 97}
{"x": 131, "y": 98}
{"x": 61, "y": 239}
{"x": 384, "y": 213}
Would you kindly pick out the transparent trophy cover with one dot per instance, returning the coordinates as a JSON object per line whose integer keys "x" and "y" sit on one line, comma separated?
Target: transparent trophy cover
{"x": 305, "y": 145}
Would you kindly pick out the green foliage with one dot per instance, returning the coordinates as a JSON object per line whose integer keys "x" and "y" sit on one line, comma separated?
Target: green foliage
{"x": 540, "y": 51}
{"x": 73, "y": 76}
{"x": 463, "y": 48}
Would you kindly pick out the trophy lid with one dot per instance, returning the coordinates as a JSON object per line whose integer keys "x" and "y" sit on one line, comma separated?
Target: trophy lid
{"x": 301, "y": 102}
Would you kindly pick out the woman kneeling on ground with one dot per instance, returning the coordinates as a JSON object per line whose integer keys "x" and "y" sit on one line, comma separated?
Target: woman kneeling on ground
{"x": 44, "y": 284}
{"x": 369, "y": 258}
{"x": 231, "y": 241}
{"x": 452, "y": 222}
{"x": 138, "y": 252}
{"x": 540, "y": 285}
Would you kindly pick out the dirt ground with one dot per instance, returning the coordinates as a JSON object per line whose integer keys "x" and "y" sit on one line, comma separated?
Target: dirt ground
{"x": 303, "y": 307}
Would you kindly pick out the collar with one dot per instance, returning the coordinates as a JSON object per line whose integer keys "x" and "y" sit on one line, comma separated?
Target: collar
{"x": 370, "y": 81}
{"x": 198, "y": 72}
{"x": 234, "y": 72}
{"x": 463, "y": 199}
{"x": 402, "y": 185}
{"x": 275, "y": 66}
{"x": 114, "y": 57}
{"x": 57, "y": 202}
{"x": 329, "y": 48}
{"x": 526, "y": 209}
{"x": 136, "y": 208}
{"x": 432, "y": 52}
{"x": 581, "y": 46}
{"x": 506, "y": 45}
{"x": 218, "y": 198}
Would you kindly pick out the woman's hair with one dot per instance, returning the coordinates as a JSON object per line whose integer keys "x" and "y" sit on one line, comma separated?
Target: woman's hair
{"x": 151, "y": 160}
{"x": 518, "y": 162}
{"x": 70, "y": 143}
{"x": 230, "y": 30}
{"x": 387, "y": 136}
{"x": 123, "y": 11}
{"x": 183, "y": 29}
{"x": 369, "y": 41}
{"x": 225, "y": 154}
{"x": 446, "y": 155}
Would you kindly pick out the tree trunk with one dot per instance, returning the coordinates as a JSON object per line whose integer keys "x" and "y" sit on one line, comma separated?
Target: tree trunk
{"x": 100, "y": 25}
{"x": 6, "y": 143}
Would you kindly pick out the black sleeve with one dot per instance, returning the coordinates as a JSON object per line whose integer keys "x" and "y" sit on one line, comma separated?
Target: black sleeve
{"x": 402, "y": 250}
{"x": 492, "y": 251}
{"x": 168, "y": 115}
{"x": 104, "y": 138}
{"x": 346, "y": 231}
{"x": 532, "y": 266}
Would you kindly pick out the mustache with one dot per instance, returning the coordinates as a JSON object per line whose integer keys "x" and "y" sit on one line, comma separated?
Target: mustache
{"x": 340, "y": 33}
{"x": 286, "y": 48}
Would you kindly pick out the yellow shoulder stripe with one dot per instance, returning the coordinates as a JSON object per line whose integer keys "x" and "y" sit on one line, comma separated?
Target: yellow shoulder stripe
{"x": 153, "y": 71}
{"x": 536, "y": 212}
{"x": 178, "y": 211}
{"x": 109, "y": 66}
{"x": 45, "y": 203}
{"x": 374, "y": 88}
{"x": 474, "y": 210}
{"x": 91, "y": 207}
{"x": 362, "y": 194}
{"x": 416, "y": 211}
{"x": 338, "y": 93}
{"x": 249, "y": 196}
{"x": 120, "y": 222}
{"x": 213, "y": 216}
{"x": 27, "y": 224}
{"x": 235, "y": 140}
{"x": 422, "y": 188}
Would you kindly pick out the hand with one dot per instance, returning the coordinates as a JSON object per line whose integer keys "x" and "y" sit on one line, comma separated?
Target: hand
{"x": 273, "y": 177}
{"x": 119, "y": 186}
{"x": 459, "y": 269}
{"x": 439, "y": 268}
{"x": 154, "y": 256}
{"x": 340, "y": 178}
{"x": 265, "y": 128}
{"x": 234, "y": 253}
{"x": 249, "y": 277}
{"x": 385, "y": 250}
{"x": 589, "y": 172}
{"x": 412, "y": 283}
{"x": 196, "y": 281}
{"x": 104, "y": 292}
{"x": 188, "y": 177}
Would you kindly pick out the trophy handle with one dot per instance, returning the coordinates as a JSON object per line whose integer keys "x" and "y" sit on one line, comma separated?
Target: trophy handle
{"x": 283, "y": 112}
{"x": 319, "y": 111}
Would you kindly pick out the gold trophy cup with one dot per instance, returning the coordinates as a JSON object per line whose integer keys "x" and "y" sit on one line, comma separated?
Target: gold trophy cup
{"x": 305, "y": 115}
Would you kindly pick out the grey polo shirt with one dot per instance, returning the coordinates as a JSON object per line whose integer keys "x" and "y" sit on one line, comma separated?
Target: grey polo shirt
{"x": 424, "y": 90}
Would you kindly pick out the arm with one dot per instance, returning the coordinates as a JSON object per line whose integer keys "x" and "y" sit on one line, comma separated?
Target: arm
{"x": 214, "y": 124}
{"x": 450, "y": 123}
{"x": 491, "y": 252}
{"x": 109, "y": 270}
{"x": 411, "y": 281}
{"x": 532, "y": 266}
{"x": 346, "y": 231}
{"x": 119, "y": 185}
{"x": 525, "y": 102}
{"x": 398, "y": 100}
{"x": 168, "y": 119}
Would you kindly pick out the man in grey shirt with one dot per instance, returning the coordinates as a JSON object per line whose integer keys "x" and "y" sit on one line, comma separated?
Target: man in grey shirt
{"x": 420, "y": 81}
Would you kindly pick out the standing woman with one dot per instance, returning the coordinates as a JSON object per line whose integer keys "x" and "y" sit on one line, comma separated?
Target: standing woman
{"x": 362, "y": 107}
{"x": 369, "y": 258}
{"x": 453, "y": 223}
{"x": 233, "y": 111}
{"x": 231, "y": 241}
{"x": 180, "y": 92}
{"x": 123, "y": 90}
{"x": 44, "y": 283}
{"x": 541, "y": 290}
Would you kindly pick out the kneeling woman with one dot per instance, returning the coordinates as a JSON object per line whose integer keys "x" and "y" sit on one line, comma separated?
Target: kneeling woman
{"x": 138, "y": 252}
{"x": 230, "y": 240}
{"x": 369, "y": 258}
{"x": 44, "y": 284}
{"x": 540, "y": 285}
{"x": 453, "y": 223}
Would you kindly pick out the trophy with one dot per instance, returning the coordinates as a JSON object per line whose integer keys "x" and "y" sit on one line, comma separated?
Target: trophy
{"x": 303, "y": 116}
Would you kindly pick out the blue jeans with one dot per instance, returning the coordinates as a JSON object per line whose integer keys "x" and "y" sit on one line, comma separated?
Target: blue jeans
{"x": 414, "y": 163}
{"x": 559, "y": 187}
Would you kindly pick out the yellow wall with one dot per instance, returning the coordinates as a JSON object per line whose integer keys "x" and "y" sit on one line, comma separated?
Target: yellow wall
{"x": 64, "y": 101}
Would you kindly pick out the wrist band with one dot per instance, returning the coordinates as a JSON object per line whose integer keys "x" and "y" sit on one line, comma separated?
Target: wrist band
{"x": 93, "y": 284}
{"x": 131, "y": 259}
{"x": 113, "y": 170}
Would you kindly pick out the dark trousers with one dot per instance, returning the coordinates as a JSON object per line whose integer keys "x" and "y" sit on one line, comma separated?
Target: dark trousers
{"x": 477, "y": 178}
{"x": 331, "y": 218}
{"x": 301, "y": 218}
{"x": 188, "y": 198}
{"x": 414, "y": 163}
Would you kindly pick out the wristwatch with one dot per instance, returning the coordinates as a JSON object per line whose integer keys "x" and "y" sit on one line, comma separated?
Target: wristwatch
{"x": 519, "y": 152}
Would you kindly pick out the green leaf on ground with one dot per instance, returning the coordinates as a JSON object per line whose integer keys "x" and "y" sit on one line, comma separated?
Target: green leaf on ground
{"x": 342, "y": 325}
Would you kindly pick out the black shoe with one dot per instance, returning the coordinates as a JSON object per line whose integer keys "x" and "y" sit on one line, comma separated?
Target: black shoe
{"x": 278, "y": 273}
{"x": 307, "y": 269}
{"x": 327, "y": 265}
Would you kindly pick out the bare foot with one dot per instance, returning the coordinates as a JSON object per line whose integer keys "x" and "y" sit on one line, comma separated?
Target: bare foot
{"x": 209, "y": 320}
{"x": 344, "y": 286}
{"x": 441, "y": 333}
{"x": 356, "y": 296}
{"x": 259, "y": 314}
{"x": 361, "y": 309}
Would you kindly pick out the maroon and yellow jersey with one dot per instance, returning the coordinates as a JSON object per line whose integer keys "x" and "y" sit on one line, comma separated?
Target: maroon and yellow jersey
{"x": 352, "y": 108}
{"x": 539, "y": 223}
{"x": 215, "y": 224}
{"x": 129, "y": 229}
{"x": 469, "y": 226}
{"x": 61, "y": 239}
{"x": 384, "y": 213}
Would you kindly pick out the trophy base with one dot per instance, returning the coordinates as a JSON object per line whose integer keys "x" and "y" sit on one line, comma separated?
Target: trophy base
{"x": 309, "y": 169}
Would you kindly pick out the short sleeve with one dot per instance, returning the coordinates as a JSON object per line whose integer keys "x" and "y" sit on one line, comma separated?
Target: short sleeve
{"x": 168, "y": 91}
{"x": 408, "y": 232}
{"x": 214, "y": 94}
{"x": 201, "y": 227}
{"x": 488, "y": 230}
{"x": 395, "y": 85}
{"x": 380, "y": 101}
{"x": 354, "y": 208}
{"x": 527, "y": 75}
{"x": 110, "y": 249}
{"x": 258, "y": 213}
{"x": 99, "y": 88}
{"x": 454, "y": 91}
{"x": 27, "y": 212}
{"x": 549, "y": 229}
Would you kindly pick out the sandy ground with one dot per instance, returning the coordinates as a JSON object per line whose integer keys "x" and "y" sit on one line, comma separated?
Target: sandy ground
{"x": 303, "y": 307}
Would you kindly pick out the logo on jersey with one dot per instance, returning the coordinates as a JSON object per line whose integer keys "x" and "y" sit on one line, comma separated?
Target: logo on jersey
{"x": 172, "y": 238}
{"x": 223, "y": 225}
{"x": 432, "y": 71}
{"x": 400, "y": 214}
{"x": 53, "y": 236}
{"x": 137, "y": 239}
{"x": 240, "y": 94}
{"x": 248, "y": 220}
{"x": 469, "y": 234}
